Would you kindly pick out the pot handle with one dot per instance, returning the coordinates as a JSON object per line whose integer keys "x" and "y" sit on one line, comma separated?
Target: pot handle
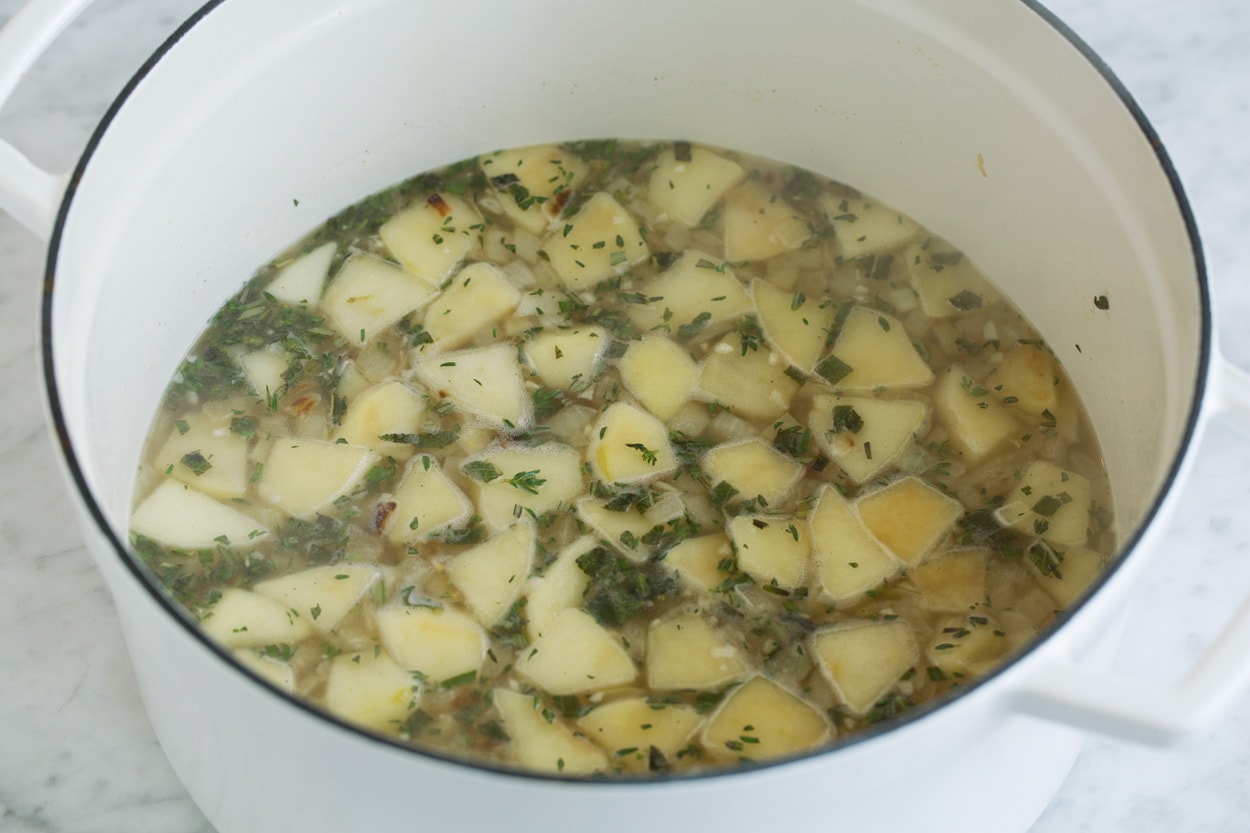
{"x": 28, "y": 192}
{"x": 1062, "y": 690}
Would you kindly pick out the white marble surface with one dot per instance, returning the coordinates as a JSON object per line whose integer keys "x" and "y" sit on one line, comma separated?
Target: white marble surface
{"x": 76, "y": 752}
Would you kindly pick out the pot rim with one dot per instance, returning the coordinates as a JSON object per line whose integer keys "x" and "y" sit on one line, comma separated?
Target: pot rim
{"x": 908, "y": 718}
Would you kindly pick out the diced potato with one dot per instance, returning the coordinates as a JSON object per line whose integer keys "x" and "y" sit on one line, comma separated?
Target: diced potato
{"x": 698, "y": 292}
{"x": 204, "y": 453}
{"x": 848, "y": 560}
{"x": 304, "y": 477}
{"x": 635, "y": 723}
{"x": 660, "y": 373}
{"x": 433, "y": 236}
{"x": 866, "y": 446}
{"x": 773, "y": 550}
{"x": 761, "y": 720}
{"x": 370, "y": 689}
{"x": 696, "y": 560}
{"x": 426, "y": 503}
{"x": 1027, "y": 378}
{"x": 758, "y": 225}
{"x": 601, "y": 240}
{"x": 1049, "y": 501}
{"x": 977, "y": 422}
{"x": 863, "y": 660}
{"x": 559, "y": 466}
{"x": 560, "y": 587}
{"x": 864, "y": 227}
{"x": 685, "y": 652}
{"x": 691, "y": 419}
{"x": 624, "y": 530}
{"x": 323, "y": 594}
{"x": 263, "y": 370}
{"x": 567, "y": 359}
{"x": 686, "y": 189}
{"x": 178, "y": 516}
{"x": 946, "y": 281}
{"x": 966, "y": 646}
{"x": 796, "y": 325}
{"x": 491, "y": 574}
{"x": 440, "y": 643}
{"x": 879, "y": 352}
{"x": 301, "y": 280}
{"x": 390, "y": 407}
{"x": 529, "y": 181}
{"x": 629, "y": 445}
{"x": 485, "y": 381}
{"x": 270, "y": 669}
{"x": 752, "y": 384}
{"x": 479, "y": 296}
{"x": 243, "y": 619}
{"x": 575, "y": 655}
{"x": 1074, "y": 574}
{"x": 909, "y": 516}
{"x": 367, "y": 295}
{"x": 541, "y": 744}
{"x": 952, "y": 581}
{"x": 753, "y": 467}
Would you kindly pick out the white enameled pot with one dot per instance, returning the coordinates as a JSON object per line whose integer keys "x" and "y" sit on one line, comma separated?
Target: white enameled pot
{"x": 984, "y": 119}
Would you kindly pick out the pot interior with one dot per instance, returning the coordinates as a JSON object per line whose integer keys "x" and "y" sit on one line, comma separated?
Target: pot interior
{"x": 982, "y": 121}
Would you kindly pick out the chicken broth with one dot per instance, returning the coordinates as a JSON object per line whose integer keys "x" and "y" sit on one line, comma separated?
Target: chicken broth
{"x": 616, "y": 457}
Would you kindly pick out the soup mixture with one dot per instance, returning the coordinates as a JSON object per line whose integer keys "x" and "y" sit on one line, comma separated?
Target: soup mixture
{"x": 616, "y": 457}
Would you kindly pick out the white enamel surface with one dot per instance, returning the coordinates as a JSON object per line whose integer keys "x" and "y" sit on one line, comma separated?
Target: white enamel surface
{"x": 1213, "y": 492}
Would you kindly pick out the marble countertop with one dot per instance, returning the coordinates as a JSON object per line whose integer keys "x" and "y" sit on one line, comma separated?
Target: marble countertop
{"x": 76, "y": 751}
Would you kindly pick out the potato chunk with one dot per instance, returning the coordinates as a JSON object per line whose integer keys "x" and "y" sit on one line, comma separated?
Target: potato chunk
{"x": 946, "y": 281}
{"x": 1027, "y": 378}
{"x": 623, "y": 529}
{"x": 575, "y": 655}
{"x": 862, "y": 435}
{"x": 567, "y": 359}
{"x": 879, "y": 352}
{"x": 322, "y": 594}
{"x": 440, "y": 643}
{"x": 977, "y": 422}
{"x": 965, "y": 646}
{"x": 302, "y": 280}
{"x": 636, "y": 724}
{"x": 530, "y": 181}
{"x": 772, "y": 550}
{"x": 761, "y": 720}
{"x": 952, "y": 581}
{"x": 686, "y": 189}
{"x": 485, "y": 381}
{"x": 752, "y": 467}
{"x": 560, "y": 587}
{"x": 1077, "y": 569}
{"x": 847, "y": 558}
{"x": 863, "y": 660}
{"x": 557, "y": 466}
{"x": 243, "y": 619}
{"x": 371, "y": 690}
{"x": 433, "y": 236}
{"x": 601, "y": 240}
{"x": 796, "y": 325}
{"x": 758, "y": 225}
{"x": 696, "y": 294}
{"x": 181, "y": 517}
{"x": 304, "y": 477}
{"x": 367, "y": 295}
{"x": 390, "y": 407}
{"x": 203, "y": 452}
{"x": 697, "y": 561}
{"x": 660, "y": 373}
{"x": 490, "y": 575}
{"x": 629, "y": 445}
{"x": 541, "y": 744}
{"x": 1049, "y": 501}
{"x": 909, "y": 516}
{"x": 684, "y": 651}
{"x": 863, "y": 227}
{"x": 263, "y": 370}
{"x": 479, "y": 296}
{"x": 751, "y": 383}
{"x": 425, "y": 503}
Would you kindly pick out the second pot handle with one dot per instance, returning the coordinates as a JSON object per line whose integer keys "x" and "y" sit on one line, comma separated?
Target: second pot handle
{"x": 1108, "y": 703}
{"x": 28, "y": 192}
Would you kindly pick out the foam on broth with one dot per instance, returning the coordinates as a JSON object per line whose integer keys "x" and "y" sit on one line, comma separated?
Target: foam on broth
{"x": 621, "y": 457}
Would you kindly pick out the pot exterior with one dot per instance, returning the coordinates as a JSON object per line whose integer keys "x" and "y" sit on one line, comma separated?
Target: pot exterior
{"x": 979, "y": 119}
